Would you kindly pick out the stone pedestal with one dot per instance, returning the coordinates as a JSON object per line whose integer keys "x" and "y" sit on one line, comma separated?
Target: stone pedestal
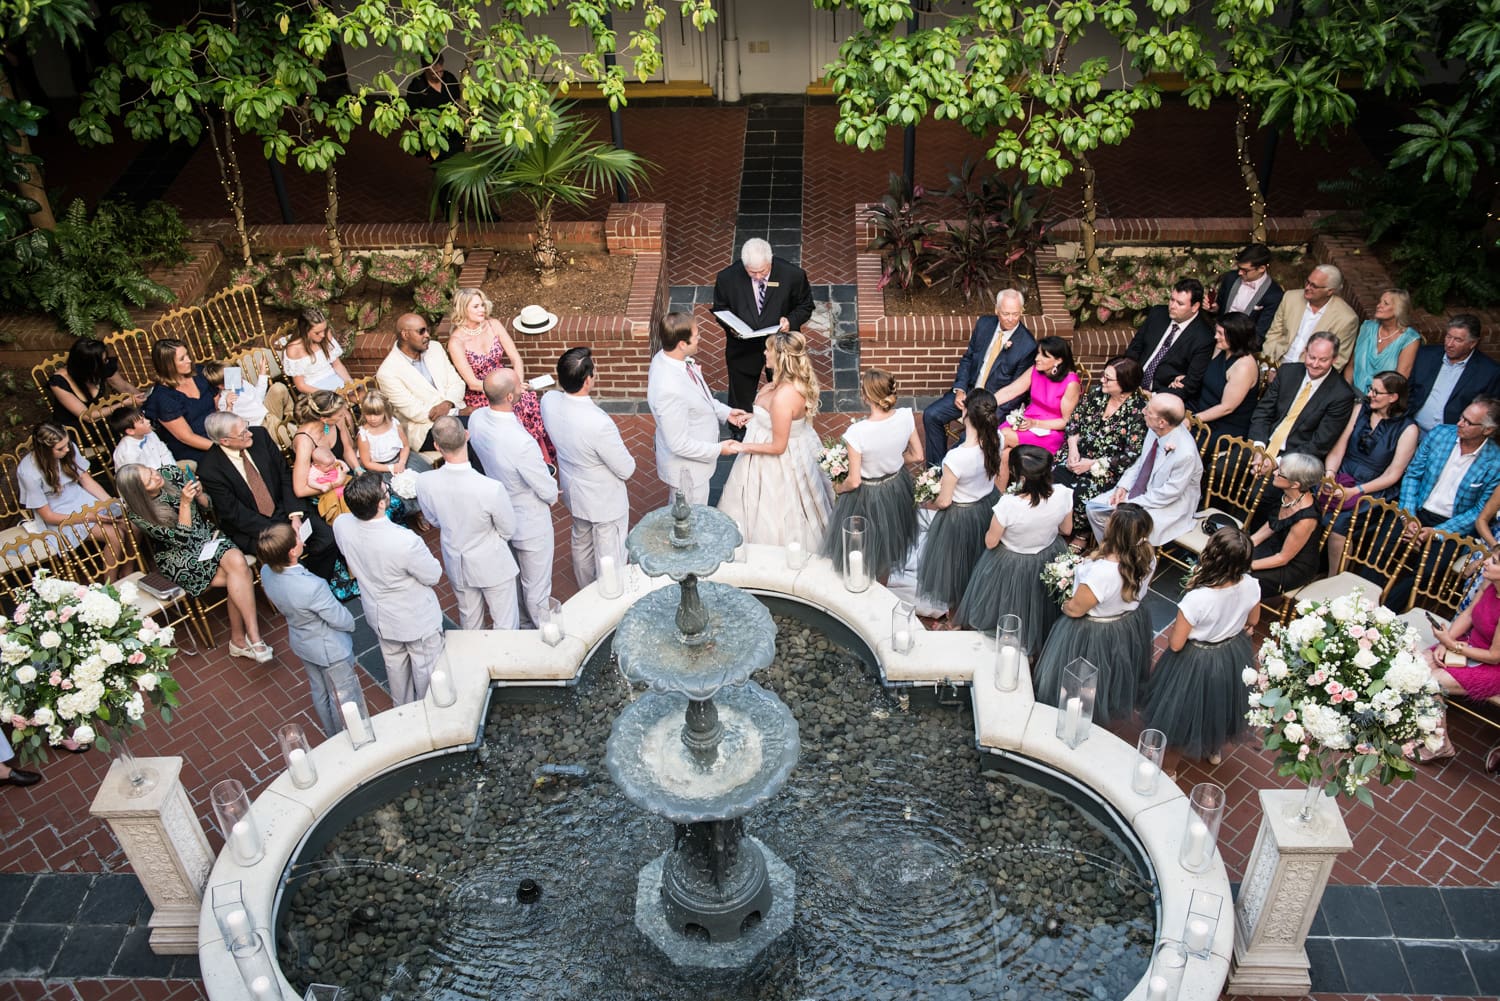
{"x": 166, "y": 847}
{"x": 1283, "y": 885}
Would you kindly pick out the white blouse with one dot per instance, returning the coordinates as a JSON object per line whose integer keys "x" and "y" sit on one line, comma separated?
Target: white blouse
{"x": 317, "y": 369}
{"x": 1217, "y": 613}
{"x": 1103, "y": 579}
{"x": 882, "y": 443}
{"x": 967, "y": 463}
{"x": 1031, "y": 529}
{"x": 385, "y": 447}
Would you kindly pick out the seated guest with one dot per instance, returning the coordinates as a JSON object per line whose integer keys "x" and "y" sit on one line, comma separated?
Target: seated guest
{"x": 251, "y": 488}
{"x": 1487, "y": 526}
{"x": 53, "y": 482}
{"x": 1387, "y": 342}
{"x": 1196, "y": 696}
{"x": 1105, "y": 435}
{"x": 1165, "y": 479}
{"x": 1473, "y": 636}
{"x": 1025, "y": 534}
{"x": 396, "y": 573}
{"x": 1286, "y": 545}
{"x": 169, "y": 509}
{"x": 998, "y": 360}
{"x": 180, "y": 401}
{"x": 1304, "y": 409}
{"x": 1250, "y": 289}
{"x": 1055, "y": 389}
{"x": 1456, "y": 468}
{"x": 318, "y": 629}
{"x": 10, "y": 775}
{"x": 479, "y": 344}
{"x": 966, "y": 495}
{"x": 878, "y": 487}
{"x": 1446, "y": 378}
{"x": 322, "y": 422}
{"x": 312, "y": 355}
{"x": 512, "y": 456}
{"x": 260, "y": 401}
{"x": 1227, "y": 399}
{"x": 89, "y": 373}
{"x": 1372, "y": 454}
{"x": 419, "y": 382}
{"x": 1174, "y": 343}
{"x": 383, "y": 445}
{"x": 1316, "y": 308}
{"x": 1103, "y": 621}
{"x": 139, "y": 445}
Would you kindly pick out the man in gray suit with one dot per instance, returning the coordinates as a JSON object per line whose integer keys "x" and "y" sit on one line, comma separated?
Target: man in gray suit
{"x": 474, "y": 518}
{"x": 1166, "y": 479}
{"x": 687, "y": 413}
{"x": 511, "y": 456}
{"x": 319, "y": 629}
{"x": 593, "y": 465}
{"x": 396, "y": 573}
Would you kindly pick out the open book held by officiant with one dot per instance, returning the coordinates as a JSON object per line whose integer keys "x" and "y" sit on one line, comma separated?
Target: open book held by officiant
{"x": 741, "y": 329}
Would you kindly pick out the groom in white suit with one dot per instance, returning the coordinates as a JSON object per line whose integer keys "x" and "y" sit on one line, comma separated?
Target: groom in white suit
{"x": 593, "y": 466}
{"x": 687, "y": 414}
{"x": 1166, "y": 479}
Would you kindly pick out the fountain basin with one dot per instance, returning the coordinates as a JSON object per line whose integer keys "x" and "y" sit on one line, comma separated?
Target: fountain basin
{"x": 715, "y": 537}
{"x": 742, "y": 641}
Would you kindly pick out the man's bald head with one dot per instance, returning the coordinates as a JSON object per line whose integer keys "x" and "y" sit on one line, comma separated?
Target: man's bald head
{"x": 411, "y": 334}
{"x": 500, "y": 387}
{"x": 1169, "y": 407}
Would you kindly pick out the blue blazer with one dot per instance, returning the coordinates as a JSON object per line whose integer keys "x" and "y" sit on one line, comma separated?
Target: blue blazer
{"x": 1018, "y": 356}
{"x": 1427, "y": 465}
{"x": 1481, "y": 378}
{"x": 319, "y": 629}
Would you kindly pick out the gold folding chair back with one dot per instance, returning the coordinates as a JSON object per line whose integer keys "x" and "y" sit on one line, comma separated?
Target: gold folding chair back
{"x": 23, "y": 553}
{"x": 44, "y": 370}
{"x": 1448, "y": 567}
{"x": 10, "y": 489}
{"x": 1378, "y": 544}
{"x": 1085, "y": 378}
{"x": 98, "y": 437}
{"x": 1201, "y": 432}
{"x": 235, "y": 317}
{"x": 1234, "y": 490}
{"x": 132, "y": 348}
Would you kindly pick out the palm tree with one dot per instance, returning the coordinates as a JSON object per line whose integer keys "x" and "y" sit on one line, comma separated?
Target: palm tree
{"x": 565, "y": 167}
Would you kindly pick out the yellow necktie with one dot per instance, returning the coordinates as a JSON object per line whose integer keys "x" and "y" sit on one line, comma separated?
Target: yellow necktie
{"x": 1279, "y": 436}
{"x": 989, "y": 358}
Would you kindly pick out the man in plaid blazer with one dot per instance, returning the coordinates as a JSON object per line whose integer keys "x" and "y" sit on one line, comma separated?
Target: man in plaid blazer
{"x": 1455, "y": 470}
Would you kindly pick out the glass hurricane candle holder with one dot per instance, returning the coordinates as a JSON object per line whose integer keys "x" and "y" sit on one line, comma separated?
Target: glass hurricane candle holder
{"x": 856, "y": 572}
{"x": 349, "y": 697}
{"x": 253, "y": 960}
{"x": 232, "y": 809}
{"x": 903, "y": 627}
{"x": 1201, "y": 835}
{"x": 552, "y": 623}
{"x": 295, "y": 750}
{"x": 235, "y": 923}
{"x": 1075, "y": 701}
{"x": 1168, "y": 965}
{"x": 1145, "y": 772}
{"x": 440, "y": 688}
{"x": 1010, "y": 653}
{"x": 1202, "y": 923}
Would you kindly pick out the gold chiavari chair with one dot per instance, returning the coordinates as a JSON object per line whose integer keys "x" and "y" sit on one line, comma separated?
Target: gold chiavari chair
{"x": 1381, "y": 537}
{"x": 1234, "y": 491}
{"x": 44, "y": 370}
{"x": 23, "y": 554}
{"x": 132, "y": 349}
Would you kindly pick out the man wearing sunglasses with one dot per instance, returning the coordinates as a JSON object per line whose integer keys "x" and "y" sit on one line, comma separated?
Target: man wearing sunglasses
{"x": 419, "y": 381}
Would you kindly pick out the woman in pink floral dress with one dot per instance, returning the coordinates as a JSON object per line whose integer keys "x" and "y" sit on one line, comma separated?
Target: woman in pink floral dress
{"x": 480, "y": 344}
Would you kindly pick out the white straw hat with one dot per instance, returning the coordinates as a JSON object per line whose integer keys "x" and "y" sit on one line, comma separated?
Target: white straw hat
{"x": 534, "y": 320}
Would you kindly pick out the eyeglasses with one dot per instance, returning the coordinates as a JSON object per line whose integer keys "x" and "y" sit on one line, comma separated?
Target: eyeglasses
{"x": 1245, "y": 269}
{"x": 416, "y": 330}
{"x": 1313, "y": 285}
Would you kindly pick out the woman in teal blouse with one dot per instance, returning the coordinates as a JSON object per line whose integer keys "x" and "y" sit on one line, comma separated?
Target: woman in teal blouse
{"x": 1386, "y": 342}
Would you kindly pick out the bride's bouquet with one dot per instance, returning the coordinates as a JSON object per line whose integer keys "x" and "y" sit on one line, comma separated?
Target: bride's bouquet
{"x": 928, "y": 485}
{"x": 833, "y": 459}
{"x": 1057, "y": 576}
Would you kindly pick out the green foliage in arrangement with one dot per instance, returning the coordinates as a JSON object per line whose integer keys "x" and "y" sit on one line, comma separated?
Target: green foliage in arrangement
{"x": 1127, "y": 285}
{"x": 313, "y": 280}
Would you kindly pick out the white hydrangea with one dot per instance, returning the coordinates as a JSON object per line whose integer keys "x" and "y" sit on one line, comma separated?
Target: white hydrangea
{"x": 25, "y": 674}
{"x": 52, "y": 590}
{"x": 99, "y": 609}
{"x": 1325, "y": 725}
{"x": 1383, "y": 616}
{"x": 1343, "y": 608}
{"x": 89, "y": 671}
{"x": 165, "y": 635}
{"x": 13, "y": 652}
{"x": 1406, "y": 673}
{"x": 1276, "y": 668}
{"x": 129, "y": 593}
{"x": 1427, "y": 722}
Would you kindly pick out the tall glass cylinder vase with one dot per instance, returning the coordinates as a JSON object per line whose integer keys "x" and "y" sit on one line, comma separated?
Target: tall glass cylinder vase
{"x": 1307, "y": 815}
{"x": 1168, "y": 964}
{"x": 232, "y": 809}
{"x": 1010, "y": 653}
{"x": 349, "y": 697}
{"x": 1145, "y": 771}
{"x": 1075, "y": 701}
{"x": 856, "y": 569}
{"x": 233, "y": 917}
{"x": 1201, "y": 835}
{"x": 295, "y": 750}
{"x": 552, "y": 623}
{"x": 136, "y": 779}
{"x": 257, "y": 970}
{"x": 903, "y": 627}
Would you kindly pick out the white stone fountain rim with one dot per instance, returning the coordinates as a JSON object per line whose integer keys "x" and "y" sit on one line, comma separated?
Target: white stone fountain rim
{"x": 1009, "y": 722}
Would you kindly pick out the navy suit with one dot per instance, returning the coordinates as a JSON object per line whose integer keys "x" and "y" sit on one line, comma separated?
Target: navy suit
{"x": 1481, "y": 377}
{"x": 1012, "y": 363}
{"x": 1262, "y": 311}
{"x": 1188, "y": 356}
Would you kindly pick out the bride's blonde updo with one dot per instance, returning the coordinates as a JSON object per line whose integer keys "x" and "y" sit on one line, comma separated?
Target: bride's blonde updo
{"x": 793, "y": 366}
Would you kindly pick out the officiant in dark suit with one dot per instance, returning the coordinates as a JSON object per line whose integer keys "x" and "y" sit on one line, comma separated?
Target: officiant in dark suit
{"x": 251, "y": 487}
{"x": 763, "y": 291}
{"x": 999, "y": 358}
{"x": 1250, "y": 289}
{"x": 1175, "y": 343}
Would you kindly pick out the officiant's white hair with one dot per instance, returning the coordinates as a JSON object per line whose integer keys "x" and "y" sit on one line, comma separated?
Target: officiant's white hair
{"x": 756, "y": 252}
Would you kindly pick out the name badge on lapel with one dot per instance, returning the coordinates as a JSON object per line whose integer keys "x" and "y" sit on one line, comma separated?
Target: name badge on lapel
{"x": 773, "y": 284}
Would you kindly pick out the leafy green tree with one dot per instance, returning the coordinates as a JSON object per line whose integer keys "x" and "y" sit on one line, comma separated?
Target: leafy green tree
{"x": 1003, "y": 69}
{"x": 568, "y": 167}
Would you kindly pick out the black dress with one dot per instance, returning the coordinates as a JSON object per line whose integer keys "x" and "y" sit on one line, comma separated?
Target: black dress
{"x": 1211, "y": 394}
{"x": 1302, "y": 567}
{"x": 60, "y": 414}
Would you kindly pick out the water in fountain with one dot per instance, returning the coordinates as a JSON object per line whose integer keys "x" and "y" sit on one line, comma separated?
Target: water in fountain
{"x": 921, "y": 871}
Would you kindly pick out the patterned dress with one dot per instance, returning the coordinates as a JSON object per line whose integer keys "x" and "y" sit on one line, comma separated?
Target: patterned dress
{"x": 1118, "y": 438}
{"x": 528, "y": 408}
{"x": 177, "y": 548}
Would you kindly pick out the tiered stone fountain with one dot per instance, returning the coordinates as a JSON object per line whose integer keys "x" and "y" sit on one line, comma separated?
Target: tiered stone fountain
{"x": 703, "y": 747}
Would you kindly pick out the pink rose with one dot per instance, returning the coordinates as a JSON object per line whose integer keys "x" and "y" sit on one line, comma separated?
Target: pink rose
{"x": 65, "y": 685}
{"x": 1333, "y": 688}
{"x": 55, "y": 678}
{"x": 65, "y": 615}
{"x": 1303, "y": 752}
{"x": 1365, "y": 644}
{"x": 1290, "y": 717}
{"x": 21, "y": 611}
{"x": 19, "y": 722}
{"x": 1317, "y": 677}
{"x": 136, "y": 658}
{"x": 1372, "y": 634}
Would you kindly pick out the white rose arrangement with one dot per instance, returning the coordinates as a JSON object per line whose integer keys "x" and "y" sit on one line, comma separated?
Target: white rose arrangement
{"x": 82, "y": 663}
{"x": 1343, "y": 696}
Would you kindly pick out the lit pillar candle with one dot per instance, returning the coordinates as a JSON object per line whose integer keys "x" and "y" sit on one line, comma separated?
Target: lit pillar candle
{"x": 1073, "y": 716}
{"x": 857, "y": 565}
{"x": 902, "y": 640}
{"x": 1196, "y": 851}
{"x": 1145, "y": 777}
{"x": 243, "y": 840}
{"x": 1156, "y": 989}
{"x": 238, "y": 924}
{"x": 354, "y": 723}
{"x": 1196, "y": 937}
{"x": 441, "y": 688}
{"x": 261, "y": 989}
{"x": 609, "y": 576}
{"x": 551, "y": 634}
{"x": 1008, "y": 668}
{"x": 301, "y": 769}
{"x": 794, "y": 554}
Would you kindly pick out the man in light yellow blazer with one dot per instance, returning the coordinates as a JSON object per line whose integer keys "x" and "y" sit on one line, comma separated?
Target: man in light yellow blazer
{"x": 419, "y": 381}
{"x": 1317, "y": 307}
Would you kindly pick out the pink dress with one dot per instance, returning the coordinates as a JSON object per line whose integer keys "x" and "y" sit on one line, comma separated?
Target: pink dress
{"x": 1045, "y": 405}
{"x": 528, "y": 407}
{"x": 1481, "y": 681}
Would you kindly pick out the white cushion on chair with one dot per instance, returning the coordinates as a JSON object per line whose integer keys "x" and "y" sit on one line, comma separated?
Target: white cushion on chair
{"x": 1196, "y": 538}
{"x": 1337, "y": 586}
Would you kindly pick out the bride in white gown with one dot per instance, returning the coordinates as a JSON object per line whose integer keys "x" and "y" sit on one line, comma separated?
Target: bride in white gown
{"x": 776, "y": 491}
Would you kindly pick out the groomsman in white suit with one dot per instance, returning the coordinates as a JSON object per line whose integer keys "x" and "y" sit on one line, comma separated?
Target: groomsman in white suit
{"x": 687, "y": 414}
{"x": 512, "y": 457}
{"x": 396, "y": 574}
{"x": 1166, "y": 479}
{"x": 419, "y": 381}
{"x": 592, "y": 463}
{"x": 474, "y": 518}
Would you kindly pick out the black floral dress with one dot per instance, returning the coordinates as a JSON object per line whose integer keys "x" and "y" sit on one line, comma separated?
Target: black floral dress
{"x": 1118, "y": 438}
{"x": 177, "y": 548}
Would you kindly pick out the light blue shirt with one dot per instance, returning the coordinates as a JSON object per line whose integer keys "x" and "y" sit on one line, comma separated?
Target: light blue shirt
{"x": 1431, "y": 414}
